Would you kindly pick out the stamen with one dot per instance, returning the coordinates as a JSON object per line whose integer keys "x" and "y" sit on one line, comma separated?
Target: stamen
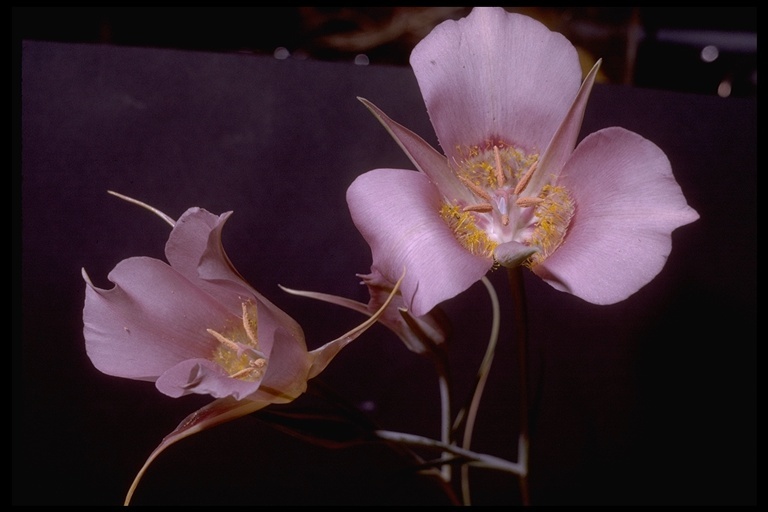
{"x": 253, "y": 366}
{"x": 500, "y": 179}
{"x": 244, "y": 371}
{"x": 525, "y": 202}
{"x": 476, "y": 189}
{"x": 525, "y": 179}
{"x": 480, "y": 208}
{"x": 225, "y": 341}
{"x": 249, "y": 325}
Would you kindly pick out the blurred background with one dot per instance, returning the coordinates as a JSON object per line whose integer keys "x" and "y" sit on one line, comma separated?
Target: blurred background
{"x": 705, "y": 50}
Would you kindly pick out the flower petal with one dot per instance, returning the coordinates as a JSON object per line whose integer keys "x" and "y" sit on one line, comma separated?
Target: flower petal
{"x": 496, "y": 74}
{"x": 627, "y": 205}
{"x": 194, "y": 248}
{"x": 397, "y": 213}
{"x": 152, "y": 319}
{"x": 203, "y": 377}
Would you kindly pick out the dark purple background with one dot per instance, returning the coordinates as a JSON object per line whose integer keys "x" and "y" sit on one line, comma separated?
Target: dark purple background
{"x": 650, "y": 401}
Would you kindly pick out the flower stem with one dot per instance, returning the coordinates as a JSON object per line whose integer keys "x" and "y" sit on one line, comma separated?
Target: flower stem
{"x": 517, "y": 288}
{"x": 445, "y": 419}
{"x": 473, "y": 459}
{"x": 482, "y": 377}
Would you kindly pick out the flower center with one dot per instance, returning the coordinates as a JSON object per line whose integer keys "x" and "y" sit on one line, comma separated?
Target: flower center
{"x": 238, "y": 353}
{"x": 496, "y": 176}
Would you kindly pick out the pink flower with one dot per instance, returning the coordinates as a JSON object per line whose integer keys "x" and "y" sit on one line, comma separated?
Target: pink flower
{"x": 195, "y": 326}
{"x": 505, "y": 97}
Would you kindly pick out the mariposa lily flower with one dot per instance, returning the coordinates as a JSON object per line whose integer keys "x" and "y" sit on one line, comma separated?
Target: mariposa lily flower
{"x": 193, "y": 325}
{"x": 505, "y": 98}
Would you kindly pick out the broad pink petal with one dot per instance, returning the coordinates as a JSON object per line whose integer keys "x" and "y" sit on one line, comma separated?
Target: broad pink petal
{"x": 194, "y": 248}
{"x": 397, "y": 213}
{"x": 627, "y": 205}
{"x": 496, "y": 74}
{"x": 151, "y": 320}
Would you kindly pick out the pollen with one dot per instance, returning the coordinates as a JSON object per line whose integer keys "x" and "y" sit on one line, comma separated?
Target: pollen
{"x": 501, "y": 207}
{"x": 553, "y": 214}
{"x": 238, "y": 349}
{"x": 474, "y": 239}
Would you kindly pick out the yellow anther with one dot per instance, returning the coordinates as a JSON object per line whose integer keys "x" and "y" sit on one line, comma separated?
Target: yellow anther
{"x": 476, "y": 189}
{"x": 525, "y": 179}
{"x": 224, "y": 341}
{"x": 480, "y": 208}
{"x": 249, "y": 324}
{"x": 525, "y": 202}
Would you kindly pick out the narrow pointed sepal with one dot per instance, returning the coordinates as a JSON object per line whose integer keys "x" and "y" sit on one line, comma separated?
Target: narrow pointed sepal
{"x": 564, "y": 140}
{"x": 217, "y": 412}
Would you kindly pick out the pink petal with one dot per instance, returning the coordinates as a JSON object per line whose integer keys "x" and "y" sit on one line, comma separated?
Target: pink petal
{"x": 627, "y": 205}
{"x": 288, "y": 368}
{"x": 203, "y": 377}
{"x": 496, "y": 74}
{"x": 151, "y": 320}
{"x": 194, "y": 248}
{"x": 397, "y": 213}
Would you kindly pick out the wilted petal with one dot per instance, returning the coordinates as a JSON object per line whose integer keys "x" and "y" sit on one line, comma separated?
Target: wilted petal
{"x": 496, "y": 74}
{"x": 628, "y": 204}
{"x": 397, "y": 213}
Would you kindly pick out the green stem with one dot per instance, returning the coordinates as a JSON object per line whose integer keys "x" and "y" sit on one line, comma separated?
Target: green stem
{"x": 445, "y": 419}
{"x": 473, "y": 459}
{"x": 482, "y": 377}
{"x": 521, "y": 323}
